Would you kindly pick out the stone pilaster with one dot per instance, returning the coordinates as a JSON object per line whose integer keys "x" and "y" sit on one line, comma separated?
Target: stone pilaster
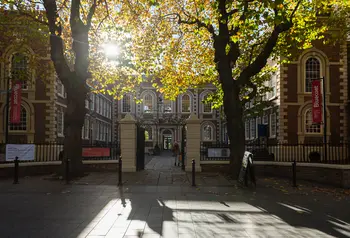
{"x": 128, "y": 143}
{"x": 193, "y": 138}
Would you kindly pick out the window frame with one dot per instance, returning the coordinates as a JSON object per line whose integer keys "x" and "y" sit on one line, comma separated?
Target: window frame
{"x": 24, "y": 86}
{"x": 190, "y": 103}
{"x": 206, "y": 104}
{"x": 273, "y": 125}
{"x": 123, "y": 103}
{"x": 20, "y": 124}
{"x": 60, "y": 111}
{"x": 211, "y": 132}
{"x": 305, "y": 124}
{"x": 305, "y": 73}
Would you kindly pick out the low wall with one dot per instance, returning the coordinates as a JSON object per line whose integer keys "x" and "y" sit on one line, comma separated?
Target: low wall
{"x": 43, "y": 168}
{"x": 332, "y": 174}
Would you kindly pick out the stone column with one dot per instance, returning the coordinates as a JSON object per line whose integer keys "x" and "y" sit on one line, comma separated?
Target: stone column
{"x": 128, "y": 143}
{"x": 193, "y": 137}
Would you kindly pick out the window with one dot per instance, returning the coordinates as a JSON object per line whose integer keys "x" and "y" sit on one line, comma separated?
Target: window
{"x": 207, "y": 133}
{"x": 60, "y": 121}
{"x": 87, "y": 128}
{"x": 147, "y": 103}
{"x": 272, "y": 86}
{"x": 309, "y": 126}
{"x": 252, "y": 129}
{"x": 273, "y": 125}
{"x": 101, "y": 106}
{"x": 22, "y": 125}
{"x": 247, "y": 135}
{"x": 19, "y": 69}
{"x": 265, "y": 120}
{"x": 97, "y": 130}
{"x": 86, "y": 103}
{"x": 60, "y": 89}
{"x": 148, "y": 133}
{"x": 206, "y": 106}
{"x": 126, "y": 107}
{"x": 92, "y": 101}
{"x": 312, "y": 72}
{"x": 97, "y": 103}
{"x": 186, "y": 103}
{"x": 167, "y": 106}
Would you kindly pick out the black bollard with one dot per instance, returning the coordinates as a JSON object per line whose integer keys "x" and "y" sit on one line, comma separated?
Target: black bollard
{"x": 67, "y": 171}
{"x": 15, "y": 178}
{"x": 294, "y": 168}
{"x": 120, "y": 182}
{"x": 193, "y": 173}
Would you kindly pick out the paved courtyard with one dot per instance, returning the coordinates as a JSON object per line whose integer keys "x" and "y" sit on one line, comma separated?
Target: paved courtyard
{"x": 159, "y": 202}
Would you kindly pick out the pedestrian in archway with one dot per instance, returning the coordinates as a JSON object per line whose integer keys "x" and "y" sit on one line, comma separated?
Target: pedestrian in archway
{"x": 176, "y": 152}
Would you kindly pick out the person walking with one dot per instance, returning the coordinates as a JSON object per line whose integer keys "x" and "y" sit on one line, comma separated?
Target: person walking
{"x": 176, "y": 153}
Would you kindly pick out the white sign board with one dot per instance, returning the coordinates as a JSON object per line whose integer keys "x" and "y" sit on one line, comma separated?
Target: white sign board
{"x": 22, "y": 151}
{"x": 218, "y": 152}
{"x": 247, "y": 155}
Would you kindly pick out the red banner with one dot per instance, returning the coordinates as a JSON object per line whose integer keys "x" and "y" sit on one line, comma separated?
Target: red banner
{"x": 16, "y": 97}
{"x": 316, "y": 102}
{"x": 96, "y": 152}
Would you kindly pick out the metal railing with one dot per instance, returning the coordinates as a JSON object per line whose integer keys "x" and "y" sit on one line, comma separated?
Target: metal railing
{"x": 45, "y": 152}
{"x": 337, "y": 153}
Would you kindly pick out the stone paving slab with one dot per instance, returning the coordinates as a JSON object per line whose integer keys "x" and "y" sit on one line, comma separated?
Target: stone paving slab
{"x": 95, "y": 207}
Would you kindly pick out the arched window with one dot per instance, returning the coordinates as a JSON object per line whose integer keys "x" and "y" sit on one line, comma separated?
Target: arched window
{"x": 19, "y": 69}
{"x": 312, "y": 72}
{"x": 206, "y": 106}
{"x": 309, "y": 126}
{"x": 207, "y": 132}
{"x": 22, "y": 125}
{"x": 186, "y": 103}
{"x": 126, "y": 107}
{"x": 147, "y": 103}
{"x": 148, "y": 133}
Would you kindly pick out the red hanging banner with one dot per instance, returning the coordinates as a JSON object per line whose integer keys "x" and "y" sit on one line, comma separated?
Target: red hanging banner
{"x": 16, "y": 97}
{"x": 316, "y": 102}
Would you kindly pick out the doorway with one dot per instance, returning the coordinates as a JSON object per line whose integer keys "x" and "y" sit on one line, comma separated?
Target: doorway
{"x": 167, "y": 139}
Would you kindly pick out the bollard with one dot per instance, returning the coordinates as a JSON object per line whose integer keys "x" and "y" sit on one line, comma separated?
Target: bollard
{"x": 15, "y": 179}
{"x": 120, "y": 183}
{"x": 67, "y": 171}
{"x": 294, "y": 168}
{"x": 193, "y": 173}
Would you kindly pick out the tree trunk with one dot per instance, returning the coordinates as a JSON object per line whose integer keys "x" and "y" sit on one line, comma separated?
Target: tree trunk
{"x": 235, "y": 127}
{"x": 73, "y": 123}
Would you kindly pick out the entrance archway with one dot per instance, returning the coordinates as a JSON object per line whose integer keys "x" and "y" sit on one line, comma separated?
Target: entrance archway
{"x": 167, "y": 139}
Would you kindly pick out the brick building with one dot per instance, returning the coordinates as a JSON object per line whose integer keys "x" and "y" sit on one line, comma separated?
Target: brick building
{"x": 289, "y": 119}
{"x": 43, "y": 96}
{"x": 163, "y": 119}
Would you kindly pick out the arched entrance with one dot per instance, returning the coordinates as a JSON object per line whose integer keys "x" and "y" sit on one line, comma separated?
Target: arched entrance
{"x": 167, "y": 139}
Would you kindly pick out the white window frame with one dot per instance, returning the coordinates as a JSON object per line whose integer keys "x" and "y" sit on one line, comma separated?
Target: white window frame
{"x": 62, "y": 92}
{"x": 203, "y": 105}
{"x": 252, "y": 127}
{"x": 211, "y": 132}
{"x": 247, "y": 129}
{"x": 60, "y": 113}
{"x": 305, "y": 124}
{"x": 321, "y": 72}
{"x": 273, "y": 125}
{"x": 190, "y": 101}
{"x": 26, "y": 87}
{"x": 87, "y": 128}
{"x": 152, "y": 103}
{"x": 122, "y": 102}
{"x": 265, "y": 120}
{"x": 92, "y": 101}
